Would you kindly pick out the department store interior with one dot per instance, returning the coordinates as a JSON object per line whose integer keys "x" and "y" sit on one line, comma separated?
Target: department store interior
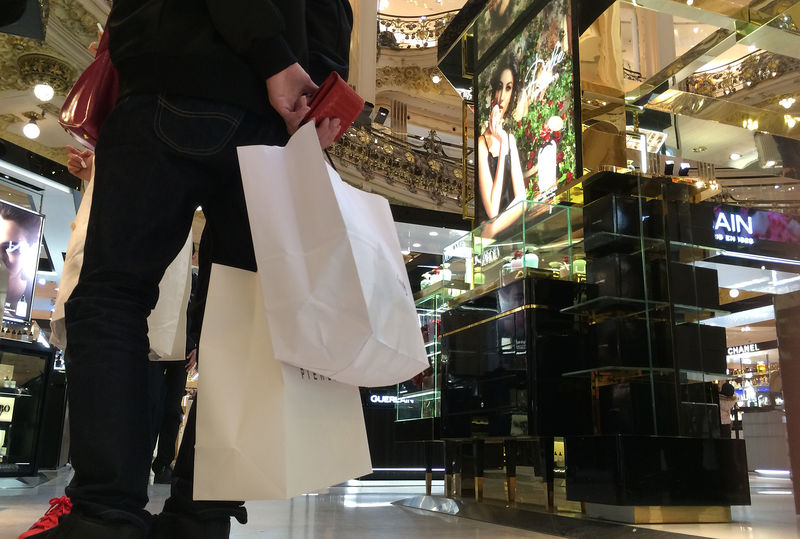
{"x": 579, "y": 330}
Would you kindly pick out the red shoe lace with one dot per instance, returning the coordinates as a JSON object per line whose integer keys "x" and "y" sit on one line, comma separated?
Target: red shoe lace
{"x": 58, "y": 506}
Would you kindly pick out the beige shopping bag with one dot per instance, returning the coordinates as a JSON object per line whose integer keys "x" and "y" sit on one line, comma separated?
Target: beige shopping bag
{"x": 266, "y": 430}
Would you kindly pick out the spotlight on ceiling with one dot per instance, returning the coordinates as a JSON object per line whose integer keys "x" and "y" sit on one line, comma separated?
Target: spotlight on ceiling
{"x": 31, "y": 130}
{"x": 43, "y": 92}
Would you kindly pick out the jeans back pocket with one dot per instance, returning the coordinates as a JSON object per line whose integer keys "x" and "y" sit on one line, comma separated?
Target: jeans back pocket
{"x": 194, "y": 126}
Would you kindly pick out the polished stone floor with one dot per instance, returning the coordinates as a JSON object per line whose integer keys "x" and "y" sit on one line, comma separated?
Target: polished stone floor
{"x": 364, "y": 509}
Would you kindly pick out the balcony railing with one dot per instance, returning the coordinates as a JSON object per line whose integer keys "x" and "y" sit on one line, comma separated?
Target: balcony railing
{"x": 404, "y": 32}
{"x": 421, "y": 166}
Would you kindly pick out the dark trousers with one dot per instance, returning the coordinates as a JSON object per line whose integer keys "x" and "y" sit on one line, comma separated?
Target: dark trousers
{"x": 157, "y": 160}
{"x": 167, "y": 386}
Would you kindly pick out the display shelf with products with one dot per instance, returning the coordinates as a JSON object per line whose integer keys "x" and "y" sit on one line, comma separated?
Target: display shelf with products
{"x": 530, "y": 239}
{"x": 420, "y": 397}
{"x": 25, "y": 370}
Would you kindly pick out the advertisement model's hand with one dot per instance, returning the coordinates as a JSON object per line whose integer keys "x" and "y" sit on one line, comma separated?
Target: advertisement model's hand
{"x": 288, "y": 91}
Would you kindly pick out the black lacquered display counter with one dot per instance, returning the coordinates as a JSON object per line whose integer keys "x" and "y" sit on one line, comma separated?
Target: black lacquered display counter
{"x": 25, "y": 369}
{"x": 657, "y": 471}
{"x": 620, "y": 364}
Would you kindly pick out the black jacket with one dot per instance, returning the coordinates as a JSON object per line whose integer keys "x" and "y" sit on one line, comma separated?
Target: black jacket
{"x": 224, "y": 50}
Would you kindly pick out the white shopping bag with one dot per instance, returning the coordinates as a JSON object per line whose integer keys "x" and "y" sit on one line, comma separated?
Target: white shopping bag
{"x": 335, "y": 288}
{"x": 266, "y": 430}
{"x": 167, "y": 321}
{"x": 166, "y": 325}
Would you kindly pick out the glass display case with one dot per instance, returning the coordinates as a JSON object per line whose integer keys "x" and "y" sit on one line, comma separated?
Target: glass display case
{"x": 529, "y": 239}
{"x": 420, "y": 397}
{"x": 24, "y": 371}
{"x": 506, "y": 341}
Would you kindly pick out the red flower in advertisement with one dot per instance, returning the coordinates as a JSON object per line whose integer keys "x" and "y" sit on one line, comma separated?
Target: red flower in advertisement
{"x": 560, "y": 157}
{"x": 569, "y": 177}
{"x": 557, "y": 136}
{"x": 519, "y": 123}
{"x": 561, "y": 105}
{"x": 550, "y": 103}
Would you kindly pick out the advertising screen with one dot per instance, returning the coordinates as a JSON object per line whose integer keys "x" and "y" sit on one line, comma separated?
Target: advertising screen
{"x": 525, "y": 125}
{"x": 20, "y": 236}
{"x": 496, "y": 19}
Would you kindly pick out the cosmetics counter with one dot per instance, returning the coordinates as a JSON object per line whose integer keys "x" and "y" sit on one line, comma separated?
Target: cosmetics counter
{"x": 32, "y": 405}
{"x": 580, "y": 369}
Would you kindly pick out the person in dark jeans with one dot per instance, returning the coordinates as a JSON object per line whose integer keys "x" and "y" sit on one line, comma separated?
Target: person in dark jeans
{"x": 167, "y": 388}
{"x": 198, "y": 79}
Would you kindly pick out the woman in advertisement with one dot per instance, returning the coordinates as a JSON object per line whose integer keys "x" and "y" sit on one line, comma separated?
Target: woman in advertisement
{"x": 500, "y": 180}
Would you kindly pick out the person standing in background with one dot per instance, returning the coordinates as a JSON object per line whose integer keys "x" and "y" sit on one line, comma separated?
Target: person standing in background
{"x": 727, "y": 400}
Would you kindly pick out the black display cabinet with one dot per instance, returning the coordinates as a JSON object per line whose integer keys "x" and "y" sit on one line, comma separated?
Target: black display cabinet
{"x": 25, "y": 370}
{"x": 654, "y": 356}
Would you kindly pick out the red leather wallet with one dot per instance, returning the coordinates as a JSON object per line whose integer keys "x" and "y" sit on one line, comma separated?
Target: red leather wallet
{"x": 335, "y": 99}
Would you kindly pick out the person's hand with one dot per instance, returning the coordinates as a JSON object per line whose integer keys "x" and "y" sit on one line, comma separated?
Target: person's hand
{"x": 288, "y": 91}
{"x": 94, "y": 44}
{"x": 80, "y": 163}
{"x": 191, "y": 360}
{"x": 327, "y": 130}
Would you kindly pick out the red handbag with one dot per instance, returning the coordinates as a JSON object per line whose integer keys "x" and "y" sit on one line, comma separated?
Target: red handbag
{"x": 335, "y": 99}
{"x": 91, "y": 99}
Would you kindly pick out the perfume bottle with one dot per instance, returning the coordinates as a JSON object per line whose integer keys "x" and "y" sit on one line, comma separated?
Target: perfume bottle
{"x": 22, "y": 307}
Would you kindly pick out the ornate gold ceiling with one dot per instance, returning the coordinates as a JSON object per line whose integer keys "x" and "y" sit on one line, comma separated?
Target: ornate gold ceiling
{"x": 58, "y": 60}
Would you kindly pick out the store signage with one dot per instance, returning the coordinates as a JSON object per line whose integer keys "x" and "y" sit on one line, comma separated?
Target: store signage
{"x": 752, "y": 348}
{"x": 459, "y": 249}
{"x": 389, "y": 399}
{"x": 743, "y": 349}
{"x": 6, "y": 409}
{"x": 488, "y": 256}
{"x": 756, "y": 230}
{"x": 733, "y": 228}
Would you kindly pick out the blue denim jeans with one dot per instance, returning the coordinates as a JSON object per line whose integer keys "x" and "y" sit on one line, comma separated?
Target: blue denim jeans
{"x": 158, "y": 159}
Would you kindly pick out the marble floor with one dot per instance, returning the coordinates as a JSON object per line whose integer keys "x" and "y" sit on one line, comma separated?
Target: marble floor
{"x": 364, "y": 509}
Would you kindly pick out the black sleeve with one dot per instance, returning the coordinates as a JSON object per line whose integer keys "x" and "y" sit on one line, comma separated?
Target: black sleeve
{"x": 255, "y": 30}
{"x": 329, "y": 24}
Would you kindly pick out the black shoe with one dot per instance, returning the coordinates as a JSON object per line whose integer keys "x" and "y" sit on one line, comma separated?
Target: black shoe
{"x": 74, "y": 526}
{"x": 175, "y": 526}
{"x": 163, "y": 476}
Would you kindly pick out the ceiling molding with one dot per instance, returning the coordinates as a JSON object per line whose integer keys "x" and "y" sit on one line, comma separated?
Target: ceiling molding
{"x": 71, "y": 47}
{"x": 98, "y": 8}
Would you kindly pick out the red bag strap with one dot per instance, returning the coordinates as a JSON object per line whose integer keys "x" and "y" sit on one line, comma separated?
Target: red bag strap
{"x": 103, "y": 45}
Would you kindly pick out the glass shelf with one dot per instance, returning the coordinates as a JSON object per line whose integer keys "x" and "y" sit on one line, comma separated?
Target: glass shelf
{"x": 608, "y": 242}
{"x": 425, "y": 395}
{"x": 642, "y": 371}
{"x": 612, "y": 305}
{"x": 686, "y": 375}
{"x": 15, "y": 394}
